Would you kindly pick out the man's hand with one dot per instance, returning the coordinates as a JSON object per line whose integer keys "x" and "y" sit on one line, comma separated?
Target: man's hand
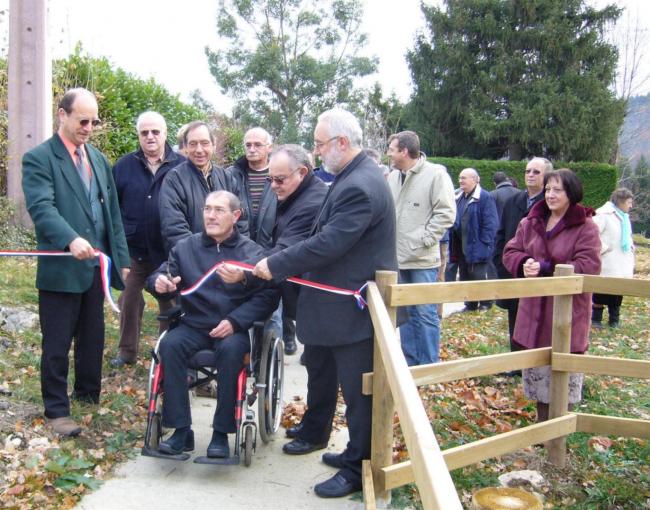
{"x": 164, "y": 285}
{"x": 262, "y": 271}
{"x": 81, "y": 249}
{"x": 531, "y": 268}
{"x": 125, "y": 273}
{"x": 230, "y": 274}
{"x": 223, "y": 329}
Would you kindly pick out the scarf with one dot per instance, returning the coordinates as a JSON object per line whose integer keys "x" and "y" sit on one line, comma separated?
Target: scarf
{"x": 626, "y": 229}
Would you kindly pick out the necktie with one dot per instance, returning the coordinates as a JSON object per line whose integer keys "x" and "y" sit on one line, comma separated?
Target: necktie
{"x": 81, "y": 168}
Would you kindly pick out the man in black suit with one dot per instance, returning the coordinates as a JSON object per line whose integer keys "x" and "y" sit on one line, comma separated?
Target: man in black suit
{"x": 514, "y": 210}
{"x": 353, "y": 236}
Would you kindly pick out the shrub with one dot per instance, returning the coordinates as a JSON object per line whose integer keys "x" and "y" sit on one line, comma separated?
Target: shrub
{"x": 598, "y": 179}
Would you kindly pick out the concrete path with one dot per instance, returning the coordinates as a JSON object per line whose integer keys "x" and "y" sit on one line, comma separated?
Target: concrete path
{"x": 274, "y": 480}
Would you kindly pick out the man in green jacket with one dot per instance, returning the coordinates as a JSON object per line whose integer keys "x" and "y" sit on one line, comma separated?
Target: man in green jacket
{"x": 70, "y": 195}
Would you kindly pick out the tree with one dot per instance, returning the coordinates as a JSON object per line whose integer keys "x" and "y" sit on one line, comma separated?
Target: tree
{"x": 379, "y": 117}
{"x": 287, "y": 59}
{"x": 508, "y": 78}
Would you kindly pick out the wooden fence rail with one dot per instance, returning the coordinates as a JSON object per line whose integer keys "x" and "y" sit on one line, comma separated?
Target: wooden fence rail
{"x": 394, "y": 385}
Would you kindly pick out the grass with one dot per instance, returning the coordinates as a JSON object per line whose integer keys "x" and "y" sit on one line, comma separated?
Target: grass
{"x": 464, "y": 411}
{"x": 40, "y": 471}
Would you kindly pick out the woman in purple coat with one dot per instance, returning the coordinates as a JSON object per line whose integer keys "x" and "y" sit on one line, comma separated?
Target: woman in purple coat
{"x": 557, "y": 230}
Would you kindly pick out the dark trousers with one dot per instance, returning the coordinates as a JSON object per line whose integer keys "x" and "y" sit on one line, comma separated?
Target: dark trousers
{"x": 472, "y": 272}
{"x": 64, "y": 316}
{"x": 326, "y": 368}
{"x": 176, "y": 350}
{"x": 131, "y": 304}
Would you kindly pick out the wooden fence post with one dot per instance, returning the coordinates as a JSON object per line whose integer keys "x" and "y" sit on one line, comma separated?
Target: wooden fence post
{"x": 561, "y": 342}
{"x": 383, "y": 407}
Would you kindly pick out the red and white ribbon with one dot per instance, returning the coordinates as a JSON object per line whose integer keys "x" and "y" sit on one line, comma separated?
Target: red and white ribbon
{"x": 104, "y": 267}
{"x": 356, "y": 294}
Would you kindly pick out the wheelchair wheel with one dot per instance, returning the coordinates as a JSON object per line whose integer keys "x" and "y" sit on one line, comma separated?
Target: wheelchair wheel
{"x": 270, "y": 394}
{"x": 248, "y": 445}
{"x": 154, "y": 431}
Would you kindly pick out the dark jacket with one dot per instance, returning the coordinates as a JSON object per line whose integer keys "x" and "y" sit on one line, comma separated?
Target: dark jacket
{"x": 260, "y": 226}
{"x": 182, "y": 197}
{"x": 476, "y": 227}
{"x": 295, "y": 217}
{"x": 352, "y": 238}
{"x": 215, "y": 300}
{"x": 515, "y": 210}
{"x": 61, "y": 211}
{"x": 138, "y": 191}
{"x": 575, "y": 241}
{"x": 501, "y": 194}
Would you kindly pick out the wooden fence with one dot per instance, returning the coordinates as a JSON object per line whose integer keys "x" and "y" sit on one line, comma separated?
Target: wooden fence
{"x": 394, "y": 385}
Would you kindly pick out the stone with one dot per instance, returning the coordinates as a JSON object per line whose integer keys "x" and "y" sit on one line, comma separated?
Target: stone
{"x": 16, "y": 320}
{"x": 522, "y": 478}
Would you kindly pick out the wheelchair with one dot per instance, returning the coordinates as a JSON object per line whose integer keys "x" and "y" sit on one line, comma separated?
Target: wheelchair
{"x": 260, "y": 380}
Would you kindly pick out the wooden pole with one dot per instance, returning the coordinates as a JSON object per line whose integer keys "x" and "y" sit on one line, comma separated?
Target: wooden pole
{"x": 561, "y": 343}
{"x": 29, "y": 92}
{"x": 383, "y": 407}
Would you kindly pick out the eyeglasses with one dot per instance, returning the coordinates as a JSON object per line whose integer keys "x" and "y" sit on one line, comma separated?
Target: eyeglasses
{"x": 94, "y": 122}
{"x": 219, "y": 211}
{"x": 320, "y": 145}
{"x": 255, "y": 145}
{"x": 533, "y": 171}
{"x": 280, "y": 180}
{"x": 154, "y": 132}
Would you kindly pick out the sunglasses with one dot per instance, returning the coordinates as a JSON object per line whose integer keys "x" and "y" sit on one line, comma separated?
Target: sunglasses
{"x": 94, "y": 122}
{"x": 280, "y": 180}
{"x": 154, "y": 132}
{"x": 533, "y": 171}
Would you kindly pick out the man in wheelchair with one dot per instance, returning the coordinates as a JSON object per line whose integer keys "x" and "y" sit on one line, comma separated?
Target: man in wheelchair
{"x": 216, "y": 315}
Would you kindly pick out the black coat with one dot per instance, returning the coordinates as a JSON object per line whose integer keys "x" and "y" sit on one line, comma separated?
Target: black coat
{"x": 182, "y": 197}
{"x": 502, "y": 194}
{"x": 353, "y": 237}
{"x": 138, "y": 191}
{"x": 514, "y": 210}
{"x": 215, "y": 300}
{"x": 295, "y": 217}
{"x": 260, "y": 226}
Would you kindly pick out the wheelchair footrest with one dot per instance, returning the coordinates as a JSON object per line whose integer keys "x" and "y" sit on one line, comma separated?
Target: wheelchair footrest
{"x": 150, "y": 452}
{"x": 228, "y": 461}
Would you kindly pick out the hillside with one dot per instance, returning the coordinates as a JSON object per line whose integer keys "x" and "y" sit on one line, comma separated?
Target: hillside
{"x": 635, "y": 136}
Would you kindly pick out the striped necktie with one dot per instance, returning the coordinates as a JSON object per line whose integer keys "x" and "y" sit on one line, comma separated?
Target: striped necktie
{"x": 81, "y": 168}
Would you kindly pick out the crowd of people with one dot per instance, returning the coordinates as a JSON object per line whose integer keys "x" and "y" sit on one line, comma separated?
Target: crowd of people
{"x": 167, "y": 216}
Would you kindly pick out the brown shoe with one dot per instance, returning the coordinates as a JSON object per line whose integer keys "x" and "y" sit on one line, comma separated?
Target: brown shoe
{"x": 64, "y": 426}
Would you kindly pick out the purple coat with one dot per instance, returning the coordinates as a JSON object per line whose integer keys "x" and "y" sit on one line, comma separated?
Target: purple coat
{"x": 574, "y": 241}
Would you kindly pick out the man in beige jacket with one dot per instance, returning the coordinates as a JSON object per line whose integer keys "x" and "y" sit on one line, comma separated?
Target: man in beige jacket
{"x": 425, "y": 209}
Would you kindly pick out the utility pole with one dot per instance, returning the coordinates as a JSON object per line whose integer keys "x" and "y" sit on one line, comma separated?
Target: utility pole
{"x": 29, "y": 92}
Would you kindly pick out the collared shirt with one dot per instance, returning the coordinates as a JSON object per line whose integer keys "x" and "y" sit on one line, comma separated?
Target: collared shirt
{"x": 155, "y": 165}
{"x": 71, "y": 147}
{"x": 530, "y": 201}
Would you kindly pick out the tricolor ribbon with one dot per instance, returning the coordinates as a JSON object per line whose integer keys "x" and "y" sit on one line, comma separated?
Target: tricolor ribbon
{"x": 356, "y": 294}
{"x": 104, "y": 267}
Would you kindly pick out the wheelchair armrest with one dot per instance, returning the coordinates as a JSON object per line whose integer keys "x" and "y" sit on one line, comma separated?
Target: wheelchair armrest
{"x": 171, "y": 315}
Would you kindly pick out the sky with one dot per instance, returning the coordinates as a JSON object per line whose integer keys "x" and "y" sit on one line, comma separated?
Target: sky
{"x": 149, "y": 39}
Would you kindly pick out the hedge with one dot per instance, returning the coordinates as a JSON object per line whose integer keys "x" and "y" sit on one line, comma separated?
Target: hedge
{"x": 598, "y": 179}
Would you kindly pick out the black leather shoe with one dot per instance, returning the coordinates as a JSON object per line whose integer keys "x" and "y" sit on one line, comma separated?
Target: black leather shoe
{"x": 290, "y": 347}
{"x": 336, "y": 487}
{"x": 300, "y": 447}
{"x": 218, "y": 447}
{"x": 292, "y": 432}
{"x": 332, "y": 459}
{"x": 120, "y": 362}
{"x": 177, "y": 443}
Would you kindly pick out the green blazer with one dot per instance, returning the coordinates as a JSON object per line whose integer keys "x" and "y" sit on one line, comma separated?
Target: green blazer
{"x": 59, "y": 206}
